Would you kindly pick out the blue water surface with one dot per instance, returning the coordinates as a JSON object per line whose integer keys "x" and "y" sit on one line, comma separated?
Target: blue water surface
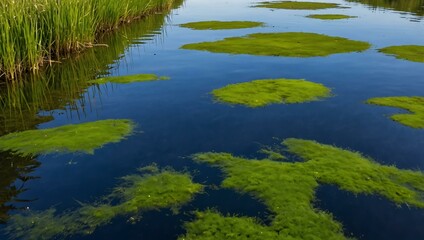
{"x": 179, "y": 117}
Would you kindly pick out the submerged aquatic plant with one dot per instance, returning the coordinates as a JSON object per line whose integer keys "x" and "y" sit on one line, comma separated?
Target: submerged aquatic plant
{"x": 288, "y": 44}
{"x": 415, "y": 105}
{"x": 138, "y": 193}
{"x": 84, "y": 137}
{"x": 329, "y": 16}
{"x": 413, "y": 53}
{"x": 129, "y": 79}
{"x": 218, "y": 25}
{"x": 259, "y": 93}
{"x": 288, "y": 190}
{"x": 293, "y": 5}
{"x": 39, "y": 225}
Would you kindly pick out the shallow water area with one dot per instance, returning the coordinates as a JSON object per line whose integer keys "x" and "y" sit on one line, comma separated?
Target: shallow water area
{"x": 179, "y": 117}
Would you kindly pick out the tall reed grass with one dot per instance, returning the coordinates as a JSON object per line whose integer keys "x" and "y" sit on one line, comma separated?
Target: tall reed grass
{"x": 38, "y": 32}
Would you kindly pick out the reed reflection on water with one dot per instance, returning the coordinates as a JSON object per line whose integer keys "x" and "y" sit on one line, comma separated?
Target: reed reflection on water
{"x": 62, "y": 86}
{"x": 412, "y": 6}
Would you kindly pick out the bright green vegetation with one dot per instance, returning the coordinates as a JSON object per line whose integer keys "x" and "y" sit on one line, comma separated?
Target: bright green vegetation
{"x": 288, "y": 190}
{"x": 218, "y": 25}
{"x": 292, "y": 5}
{"x": 138, "y": 193}
{"x": 289, "y": 44}
{"x": 213, "y": 225}
{"x": 415, "y": 105}
{"x": 129, "y": 79}
{"x": 259, "y": 93}
{"x": 329, "y": 16}
{"x": 413, "y": 53}
{"x": 273, "y": 154}
{"x": 84, "y": 137}
{"x": 31, "y": 33}
{"x": 412, "y": 6}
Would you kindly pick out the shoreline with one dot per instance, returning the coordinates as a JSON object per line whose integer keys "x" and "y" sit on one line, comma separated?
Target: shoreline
{"x": 35, "y": 40}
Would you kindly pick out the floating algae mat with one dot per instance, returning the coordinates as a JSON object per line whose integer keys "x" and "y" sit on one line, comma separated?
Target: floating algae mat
{"x": 218, "y": 25}
{"x": 259, "y": 93}
{"x": 138, "y": 193}
{"x": 415, "y": 105}
{"x": 84, "y": 137}
{"x": 288, "y": 190}
{"x": 129, "y": 79}
{"x": 292, "y": 5}
{"x": 288, "y": 44}
{"x": 413, "y": 53}
{"x": 330, "y": 16}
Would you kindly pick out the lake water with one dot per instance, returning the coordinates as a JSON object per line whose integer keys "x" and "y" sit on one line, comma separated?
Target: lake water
{"x": 179, "y": 117}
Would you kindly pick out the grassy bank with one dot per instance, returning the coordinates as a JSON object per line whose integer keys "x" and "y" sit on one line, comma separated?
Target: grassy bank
{"x": 38, "y": 32}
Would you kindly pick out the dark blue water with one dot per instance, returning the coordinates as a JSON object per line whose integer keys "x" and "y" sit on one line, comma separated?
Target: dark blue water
{"x": 177, "y": 118}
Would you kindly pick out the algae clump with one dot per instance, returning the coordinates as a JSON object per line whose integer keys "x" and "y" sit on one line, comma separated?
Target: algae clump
{"x": 293, "y": 5}
{"x": 213, "y": 225}
{"x": 415, "y": 105}
{"x": 273, "y": 154}
{"x": 413, "y": 53}
{"x": 221, "y": 25}
{"x": 288, "y": 190}
{"x": 84, "y": 137}
{"x": 260, "y": 93}
{"x": 138, "y": 193}
{"x": 129, "y": 79}
{"x": 288, "y": 44}
{"x": 330, "y": 16}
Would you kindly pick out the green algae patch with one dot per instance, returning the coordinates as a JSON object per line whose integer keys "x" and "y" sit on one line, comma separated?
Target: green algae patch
{"x": 138, "y": 193}
{"x": 259, "y": 93}
{"x": 415, "y": 105}
{"x": 288, "y": 44}
{"x": 413, "y": 53}
{"x": 84, "y": 137}
{"x": 221, "y": 25}
{"x": 288, "y": 190}
{"x": 129, "y": 79}
{"x": 330, "y": 16}
{"x": 213, "y": 225}
{"x": 272, "y": 154}
{"x": 293, "y": 5}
